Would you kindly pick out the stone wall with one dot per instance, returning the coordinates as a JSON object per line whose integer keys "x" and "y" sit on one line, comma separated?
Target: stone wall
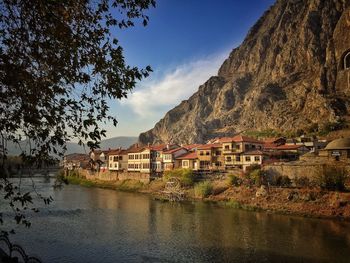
{"x": 298, "y": 169}
{"x": 115, "y": 176}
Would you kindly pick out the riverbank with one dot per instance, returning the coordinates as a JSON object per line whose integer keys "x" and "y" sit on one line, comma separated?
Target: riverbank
{"x": 306, "y": 202}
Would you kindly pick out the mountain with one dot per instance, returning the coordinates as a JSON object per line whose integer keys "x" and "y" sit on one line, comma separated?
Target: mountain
{"x": 287, "y": 74}
{"x": 72, "y": 147}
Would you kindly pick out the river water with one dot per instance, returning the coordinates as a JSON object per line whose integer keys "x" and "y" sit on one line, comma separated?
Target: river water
{"x": 99, "y": 225}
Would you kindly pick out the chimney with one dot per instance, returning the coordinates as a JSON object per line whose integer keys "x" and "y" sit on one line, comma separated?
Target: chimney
{"x": 167, "y": 146}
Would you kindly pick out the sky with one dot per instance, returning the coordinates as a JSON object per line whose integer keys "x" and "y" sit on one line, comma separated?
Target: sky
{"x": 185, "y": 43}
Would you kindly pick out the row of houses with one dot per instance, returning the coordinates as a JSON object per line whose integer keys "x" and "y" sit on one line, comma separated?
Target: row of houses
{"x": 218, "y": 154}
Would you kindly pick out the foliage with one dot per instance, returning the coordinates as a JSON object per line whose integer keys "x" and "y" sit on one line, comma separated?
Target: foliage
{"x": 263, "y": 133}
{"x": 332, "y": 178}
{"x": 302, "y": 182}
{"x": 186, "y": 176}
{"x": 284, "y": 181}
{"x": 234, "y": 180}
{"x": 59, "y": 65}
{"x": 203, "y": 189}
{"x": 256, "y": 177}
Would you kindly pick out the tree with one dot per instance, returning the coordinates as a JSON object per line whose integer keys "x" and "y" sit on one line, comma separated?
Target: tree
{"x": 59, "y": 64}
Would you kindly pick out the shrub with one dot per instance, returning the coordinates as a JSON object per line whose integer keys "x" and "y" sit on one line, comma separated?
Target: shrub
{"x": 302, "y": 182}
{"x": 185, "y": 176}
{"x": 203, "y": 189}
{"x": 256, "y": 177}
{"x": 234, "y": 180}
{"x": 332, "y": 178}
{"x": 285, "y": 181}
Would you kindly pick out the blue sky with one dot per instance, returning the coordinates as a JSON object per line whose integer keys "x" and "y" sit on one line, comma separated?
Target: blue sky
{"x": 185, "y": 43}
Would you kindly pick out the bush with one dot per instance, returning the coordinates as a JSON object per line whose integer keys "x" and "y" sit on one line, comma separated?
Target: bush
{"x": 203, "y": 189}
{"x": 284, "y": 181}
{"x": 332, "y": 178}
{"x": 256, "y": 177}
{"x": 185, "y": 176}
{"x": 302, "y": 182}
{"x": 234, "y": 180}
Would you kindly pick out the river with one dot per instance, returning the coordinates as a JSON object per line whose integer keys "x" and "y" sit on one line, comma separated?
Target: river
{"x": 99, "y": 225}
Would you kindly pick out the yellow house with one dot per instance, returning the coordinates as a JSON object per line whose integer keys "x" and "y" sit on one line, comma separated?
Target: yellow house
{"x": 210, "y": 157}
{"x": 233, "y": 149}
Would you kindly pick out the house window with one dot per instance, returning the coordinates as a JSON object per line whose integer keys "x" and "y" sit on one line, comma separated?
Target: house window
{"x": 228, "y": 159}
{"x": 253, "y": 146}
{"x": 218, "y": 153}
{"x": 257, "y": 158}
{"x": 120, "y": 158}
{"x": 347, "y": 61}
{"x": 238, "y": 147}
{"x": 185, "y": 163}
{"x": 207, "y": 153}
{"x": 115, "y": 159}
{"x": 227, "y": 147}
{"x": 201, "y": 153}
{"x": 238, "y": 158}
{"x": 247, "y": 158}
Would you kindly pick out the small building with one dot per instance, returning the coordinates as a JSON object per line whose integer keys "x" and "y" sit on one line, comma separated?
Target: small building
{"x": 134, "y": 159}
{"x": 169, "y": 158}
{"x": 189, "y": 160}
{"x": 337, "y": 150}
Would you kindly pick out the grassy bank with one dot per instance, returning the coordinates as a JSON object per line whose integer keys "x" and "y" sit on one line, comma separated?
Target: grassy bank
{"x": 308, "y": 202}
{"x": 126, "y": 185}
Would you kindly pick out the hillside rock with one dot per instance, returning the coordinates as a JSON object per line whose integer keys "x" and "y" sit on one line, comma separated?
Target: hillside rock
{"x": 287, "y": 74}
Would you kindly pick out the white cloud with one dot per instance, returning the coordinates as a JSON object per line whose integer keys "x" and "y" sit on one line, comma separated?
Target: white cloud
{"x": 157, "y": 96}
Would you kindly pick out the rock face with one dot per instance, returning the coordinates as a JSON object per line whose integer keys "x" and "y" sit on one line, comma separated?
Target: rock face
{"x": 288, "y": 73}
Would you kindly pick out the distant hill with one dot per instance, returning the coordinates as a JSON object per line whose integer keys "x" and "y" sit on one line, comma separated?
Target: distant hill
{"x": 115, "y": 142}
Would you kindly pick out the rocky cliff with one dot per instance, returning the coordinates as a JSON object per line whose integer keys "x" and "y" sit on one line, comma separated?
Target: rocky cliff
{"x": 290, "y": 72}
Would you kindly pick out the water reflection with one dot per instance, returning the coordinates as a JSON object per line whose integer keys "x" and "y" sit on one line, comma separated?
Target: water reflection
{"x": 98, "y": 225}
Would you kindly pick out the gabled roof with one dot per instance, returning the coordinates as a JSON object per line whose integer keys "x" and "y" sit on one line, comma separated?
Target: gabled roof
{"x": 188, "y": 156}
{"x": 192, "y": 146}
{"x": 290, "y": 147}
{"x": 159, "y": 147}
{"x": 242, "y": 138}
{"x": 209, "y": 146}
{"x": 173, "y": 150}
{"x": 239, "y": 138}
{"x": 134, "y": 150}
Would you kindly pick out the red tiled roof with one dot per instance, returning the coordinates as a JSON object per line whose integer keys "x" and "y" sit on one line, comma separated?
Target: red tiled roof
{"x": 270, "y": 145}
{"x": 209, "y": 146}
{"x": 191, "y": 146}
{"x": 272, "y": 140}
{"x": 135, "y": 150}
{"x": 289, "y": 147}
{"x": 242, "y": 138}
{"x": 173, "y": 150}
{"x": 225, "y": 139}
{"x": 159, "y": 147}
{"x": 188, "y": 156}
